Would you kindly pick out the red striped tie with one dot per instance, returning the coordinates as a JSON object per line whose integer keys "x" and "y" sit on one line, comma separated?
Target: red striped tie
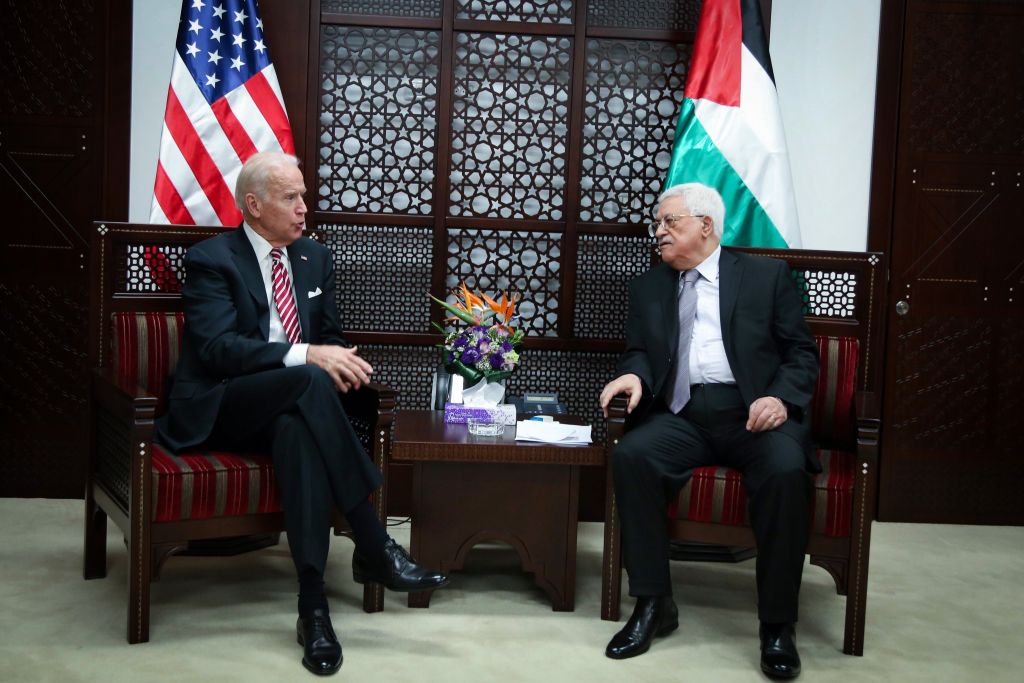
{"x": 284, "y": 299}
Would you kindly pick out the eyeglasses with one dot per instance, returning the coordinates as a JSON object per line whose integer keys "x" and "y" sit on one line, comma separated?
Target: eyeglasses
{"x": 670, "y": 221}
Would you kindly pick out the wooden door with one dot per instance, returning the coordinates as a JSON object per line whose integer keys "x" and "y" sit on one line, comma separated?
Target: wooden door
{"x": 64, "y": 122}
{"x": 954, "y": 385}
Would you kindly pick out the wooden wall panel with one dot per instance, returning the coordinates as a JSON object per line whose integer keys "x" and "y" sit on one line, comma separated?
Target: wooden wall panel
{"x": 63, "y": 163}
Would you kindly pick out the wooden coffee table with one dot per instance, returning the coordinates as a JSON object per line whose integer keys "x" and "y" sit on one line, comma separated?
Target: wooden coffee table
{"x": 470, "y": 489}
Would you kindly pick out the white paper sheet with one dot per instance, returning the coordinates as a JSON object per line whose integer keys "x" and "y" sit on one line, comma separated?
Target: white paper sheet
{"x": 552, "y": 432}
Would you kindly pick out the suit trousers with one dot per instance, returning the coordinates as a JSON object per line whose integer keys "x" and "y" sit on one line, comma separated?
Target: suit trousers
{"x": 655, "y": 459}
{"x": 319, "y": 462}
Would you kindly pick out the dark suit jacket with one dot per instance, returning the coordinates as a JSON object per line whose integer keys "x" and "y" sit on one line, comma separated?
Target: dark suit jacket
{"x": 227, "y": 326}
{"x": 767, "y": 341}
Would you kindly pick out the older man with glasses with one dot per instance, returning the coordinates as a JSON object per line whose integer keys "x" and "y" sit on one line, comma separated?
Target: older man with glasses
{"x": 719, "y": 368}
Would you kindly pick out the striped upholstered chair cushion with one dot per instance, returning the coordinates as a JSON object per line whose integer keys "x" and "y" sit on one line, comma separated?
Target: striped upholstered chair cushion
{"x": 199, "y": 485}
{"x": 716, "y": 494}
{"x": 146, "y": 347}
{"x": 193, "y": 485}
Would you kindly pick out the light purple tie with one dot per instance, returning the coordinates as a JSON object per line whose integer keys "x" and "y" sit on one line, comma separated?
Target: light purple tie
{"x": 687, "y": 312}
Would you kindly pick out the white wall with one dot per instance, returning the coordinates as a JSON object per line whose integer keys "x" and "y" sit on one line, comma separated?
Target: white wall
{"x": 824, "y": 54}
{"x": 155, "y": 27}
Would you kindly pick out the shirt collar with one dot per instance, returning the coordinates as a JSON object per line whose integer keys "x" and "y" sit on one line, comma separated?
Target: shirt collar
{"x": 708, "y": 268}
{"x": 261, "y": 246}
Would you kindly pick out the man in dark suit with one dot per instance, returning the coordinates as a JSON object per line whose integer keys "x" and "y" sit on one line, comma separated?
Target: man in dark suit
{"x": 731, "y": 389}
{"x": 261, "y": 364}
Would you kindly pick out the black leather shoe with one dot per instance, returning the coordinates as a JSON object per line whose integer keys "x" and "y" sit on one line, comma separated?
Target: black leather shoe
{"x": 315, "y": 634}
{"x": 652, "y": 617}
{"x": 396, "y": 570}
{"x": 779, "y": 658}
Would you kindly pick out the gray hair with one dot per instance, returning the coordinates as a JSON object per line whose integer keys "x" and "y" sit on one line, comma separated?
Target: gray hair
{"x": 256, "y": 172}
{"x": 700, "y": 200}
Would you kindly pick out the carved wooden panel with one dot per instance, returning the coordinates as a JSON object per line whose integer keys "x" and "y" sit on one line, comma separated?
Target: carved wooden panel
{"x": 510, "y": 114}
{"x": 678, "y": 15}
{"x": 383, "y": 276}
{"x": 378, "y": 119}
{"x": 527, "y": 264}
{"x": 45, "y": 76}
{"x": 390, "y": 8}
{"x": 632, "y": 95}
{"x": 542, "y": 11}
{"x": 407, "y": 369}
{"x": 42, "y": 360}
{"x": 605, "y": 264}
{"x": 952, "y": 109}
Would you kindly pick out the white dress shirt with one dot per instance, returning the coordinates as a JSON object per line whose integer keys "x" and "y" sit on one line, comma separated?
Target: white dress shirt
{"x": 297, "y": 353}
{"x": 708, "y": 362}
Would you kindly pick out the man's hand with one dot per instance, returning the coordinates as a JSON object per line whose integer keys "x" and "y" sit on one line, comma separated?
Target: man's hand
{"x": 347, "y": 369}
{"x": 628, "y": 385}
{"x": 766, "y": 413}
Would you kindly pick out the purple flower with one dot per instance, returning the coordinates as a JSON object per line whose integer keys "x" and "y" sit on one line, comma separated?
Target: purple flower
{"x": 484, "y": 346}
{"x": 497, "y": 360}
{"x": 506, "y": 346}
{"x": 461, "y": 342}
{"x": 470, "y": 356}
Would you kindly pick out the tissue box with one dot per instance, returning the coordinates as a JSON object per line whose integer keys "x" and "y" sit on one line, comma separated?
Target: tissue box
{"x": 456, "y": 413}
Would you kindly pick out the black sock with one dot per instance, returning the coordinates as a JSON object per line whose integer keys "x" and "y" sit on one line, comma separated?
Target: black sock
{"x": 367, "y": 531}
{"x": 311, "y": 592}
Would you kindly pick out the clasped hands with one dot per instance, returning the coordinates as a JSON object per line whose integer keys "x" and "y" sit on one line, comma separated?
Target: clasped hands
{"x": 344, "y": 365}
{"x": 767, "y": 412}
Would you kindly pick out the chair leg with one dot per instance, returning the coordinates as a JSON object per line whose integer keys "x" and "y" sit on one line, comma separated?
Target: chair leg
{"x": 373, "y": 597}
{"x": 94, "y": 563}
{"x": 139, "y": 555}
{"x": 611, "y": 562}
{"x": 857, "y": 597}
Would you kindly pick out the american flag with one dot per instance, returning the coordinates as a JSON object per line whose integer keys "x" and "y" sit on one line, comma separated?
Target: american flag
{"x": 224, "y": 104}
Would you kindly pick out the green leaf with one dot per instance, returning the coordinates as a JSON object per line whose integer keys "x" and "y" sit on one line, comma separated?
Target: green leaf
{"x": 457, "y": 312}
{"x": 471, "y": 374}
{"x": 495, "y": 375}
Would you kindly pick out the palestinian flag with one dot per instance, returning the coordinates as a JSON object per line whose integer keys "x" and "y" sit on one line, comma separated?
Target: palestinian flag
{"x": 730, "y": 133}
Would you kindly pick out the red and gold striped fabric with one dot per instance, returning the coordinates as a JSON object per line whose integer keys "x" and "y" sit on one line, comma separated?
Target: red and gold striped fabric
{"x": 716, "y": 494}
{"x": 196, "y": 485}
{"x": 832, "y": 404}
{"x": 200, "y": 485}
{"x": 146, "y": 347}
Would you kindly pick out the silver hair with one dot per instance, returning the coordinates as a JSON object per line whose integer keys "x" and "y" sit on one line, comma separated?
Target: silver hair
{"x": 256, "y": 172}
{"x": 700, "y": 200}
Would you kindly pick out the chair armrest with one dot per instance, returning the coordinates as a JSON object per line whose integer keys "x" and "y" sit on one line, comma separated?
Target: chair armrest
{"x": 868, "y": 422}
{"x": 122, "y": 431}
{"x": 369, "y": 401}
{"x": 121, "y": 398}
{"x": 615, "y": 423}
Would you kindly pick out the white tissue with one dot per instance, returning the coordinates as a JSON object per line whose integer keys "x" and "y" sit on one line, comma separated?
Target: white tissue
{"x": 483, "y": 394}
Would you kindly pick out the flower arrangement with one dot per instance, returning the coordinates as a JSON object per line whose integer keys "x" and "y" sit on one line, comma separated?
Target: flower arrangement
{"x": 487, "y": 347}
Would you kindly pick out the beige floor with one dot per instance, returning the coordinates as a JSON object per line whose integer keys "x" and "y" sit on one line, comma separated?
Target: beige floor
{"x": 945, "y": 604}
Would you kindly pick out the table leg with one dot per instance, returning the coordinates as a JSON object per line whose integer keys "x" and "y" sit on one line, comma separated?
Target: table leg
{"x": 533, "y": 508}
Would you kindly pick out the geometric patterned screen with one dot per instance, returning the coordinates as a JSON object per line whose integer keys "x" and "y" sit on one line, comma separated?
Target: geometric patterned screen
{"x": 631, "y": 92}
{"x": 827, "y": 294}
{"x": 519, "y": 148}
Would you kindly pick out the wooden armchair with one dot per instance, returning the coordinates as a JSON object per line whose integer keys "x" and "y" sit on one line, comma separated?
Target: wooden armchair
{"x": 842, "y": 294}
{"x": 161, "y": 501}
